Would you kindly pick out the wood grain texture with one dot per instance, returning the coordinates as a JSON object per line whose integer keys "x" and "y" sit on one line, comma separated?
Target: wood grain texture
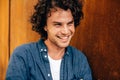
{"x": 4, "y": 30}
{"x": 20, "y": 28}
{"x": 98, "y": 37}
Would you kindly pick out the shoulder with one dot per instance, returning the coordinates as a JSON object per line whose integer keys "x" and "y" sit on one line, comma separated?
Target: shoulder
{"x": 23, "y": 49}
{"x": 75, "y": 52}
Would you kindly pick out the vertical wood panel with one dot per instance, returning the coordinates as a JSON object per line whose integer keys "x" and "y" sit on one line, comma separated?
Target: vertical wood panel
{"x": 20, "y": 29}
{"x": 4, "y": 30}
{"x": 98, "y": 37}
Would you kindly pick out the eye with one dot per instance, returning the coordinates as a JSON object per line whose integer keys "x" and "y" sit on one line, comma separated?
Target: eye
{"x": 57, "y": 24}
{"x": 71, "y": 23}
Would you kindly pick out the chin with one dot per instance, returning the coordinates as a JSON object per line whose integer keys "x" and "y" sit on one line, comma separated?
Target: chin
{"x": 64, "y": 45}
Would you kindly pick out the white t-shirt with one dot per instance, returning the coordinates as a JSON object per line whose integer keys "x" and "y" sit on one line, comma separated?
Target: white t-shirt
{"x": 55, "y": 68}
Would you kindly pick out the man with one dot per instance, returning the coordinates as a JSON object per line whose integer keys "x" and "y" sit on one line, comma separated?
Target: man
{"x": 51, "y": 58}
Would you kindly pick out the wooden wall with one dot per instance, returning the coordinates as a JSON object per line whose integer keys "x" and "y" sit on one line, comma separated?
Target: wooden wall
{"x": 20, "y": 27}
{"x": 97, "y": 36}
{"x": 15, "y": 28}
{"x": 4, "y": 35}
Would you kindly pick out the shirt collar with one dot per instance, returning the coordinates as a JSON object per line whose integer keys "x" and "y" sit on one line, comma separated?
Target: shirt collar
{"x": 41, "y": 45}
{"x": 43, "y": 48}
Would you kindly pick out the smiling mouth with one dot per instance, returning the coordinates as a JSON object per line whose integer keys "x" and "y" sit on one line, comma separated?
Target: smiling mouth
{"x": 64, "y": 38}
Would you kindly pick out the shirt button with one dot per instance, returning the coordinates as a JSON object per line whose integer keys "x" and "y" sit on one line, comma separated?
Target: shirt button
{"x": 48, "y": 75}
{"x": 41, "y": 49}
{"x": 45, "y": 56}
{"x": 45, "y": 50}
{"x": 67, "y": 52}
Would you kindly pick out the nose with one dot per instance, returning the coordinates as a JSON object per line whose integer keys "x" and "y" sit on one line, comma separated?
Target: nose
{"x": 65, "y": 30}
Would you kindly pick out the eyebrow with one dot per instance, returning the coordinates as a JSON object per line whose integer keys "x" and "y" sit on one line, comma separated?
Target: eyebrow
{"x": 57, "y": 22}
{"x": 70, "y": 21}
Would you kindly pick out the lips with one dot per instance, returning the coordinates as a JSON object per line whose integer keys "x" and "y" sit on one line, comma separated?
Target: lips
{"x": 63, "y": 38}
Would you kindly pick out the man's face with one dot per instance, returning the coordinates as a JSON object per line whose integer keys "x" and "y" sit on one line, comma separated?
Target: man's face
{"x": 60, "y": 28}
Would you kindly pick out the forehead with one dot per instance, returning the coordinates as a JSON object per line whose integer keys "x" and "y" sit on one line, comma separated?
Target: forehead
{"x": 60, "y": 14}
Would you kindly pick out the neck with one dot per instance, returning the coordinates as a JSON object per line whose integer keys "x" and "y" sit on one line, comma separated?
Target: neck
{"x": 54, "y": 52}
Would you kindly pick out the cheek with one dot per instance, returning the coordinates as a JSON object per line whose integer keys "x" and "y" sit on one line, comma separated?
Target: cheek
{"x": 53, "y": 31}
{"x": 72, "y": 29}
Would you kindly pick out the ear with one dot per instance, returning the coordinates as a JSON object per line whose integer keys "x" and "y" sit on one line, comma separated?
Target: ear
{"x": 45, "y": 28}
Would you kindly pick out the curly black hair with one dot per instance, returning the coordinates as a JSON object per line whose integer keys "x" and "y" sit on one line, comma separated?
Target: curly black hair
{"x": 43, "y": 7}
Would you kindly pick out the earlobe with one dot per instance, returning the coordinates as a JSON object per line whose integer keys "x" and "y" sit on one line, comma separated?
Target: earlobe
{"x": 45, "y": 28}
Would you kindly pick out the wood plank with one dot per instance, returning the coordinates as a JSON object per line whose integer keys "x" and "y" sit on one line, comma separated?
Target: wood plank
{"x": 20, "y": 30}
{"x": 98, "y": 37}
{"x": 4, "y": 30}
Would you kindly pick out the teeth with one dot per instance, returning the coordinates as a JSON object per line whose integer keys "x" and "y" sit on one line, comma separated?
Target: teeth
{"x": 64, "y": 37}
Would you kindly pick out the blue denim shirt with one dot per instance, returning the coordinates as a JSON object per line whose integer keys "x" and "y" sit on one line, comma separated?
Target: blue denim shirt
{"x": 30, "y": 62}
